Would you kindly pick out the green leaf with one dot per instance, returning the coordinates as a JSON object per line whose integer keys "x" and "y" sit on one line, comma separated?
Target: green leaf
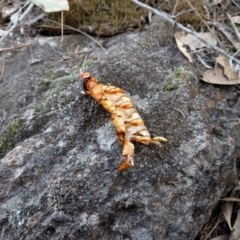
{"x": 52, "y": 5}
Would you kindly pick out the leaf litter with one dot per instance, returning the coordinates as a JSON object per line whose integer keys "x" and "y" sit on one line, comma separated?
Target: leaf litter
{"x": 224, "y": 224}
{"x": 223, "y": 29}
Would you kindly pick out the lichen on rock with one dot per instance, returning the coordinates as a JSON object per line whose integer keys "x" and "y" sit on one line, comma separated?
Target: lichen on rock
{"x": 178, "y": 77}
{"x": 8, "y": 138}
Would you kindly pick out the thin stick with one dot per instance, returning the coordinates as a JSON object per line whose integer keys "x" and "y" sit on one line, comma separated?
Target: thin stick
{"x": 16, "y": 23}
{"x": 3, "y": 69}
{"x": 61, "y": 26}
{"x": 196, "y": 12}
{"x": 175, "y": 7}
{"x": 76, "y": 30}
{"x": 214, "y": 227}
{"x": 234, "y": 26}
{"x": 3, "y": 117}
{"x": 225, "y": 30}
{"x": 19, "y": 46}
{"x": 187, "y": 30}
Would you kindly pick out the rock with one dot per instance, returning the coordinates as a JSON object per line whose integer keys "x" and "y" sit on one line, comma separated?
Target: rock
{"x": 60, "y": 180}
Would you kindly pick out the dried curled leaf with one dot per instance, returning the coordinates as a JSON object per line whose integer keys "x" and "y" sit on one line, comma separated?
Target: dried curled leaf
{"x": 228, "y": 71}
{"x": 192, "y": 42}
{"x": 128, "y": 123}
{"x": 183, "y": 49}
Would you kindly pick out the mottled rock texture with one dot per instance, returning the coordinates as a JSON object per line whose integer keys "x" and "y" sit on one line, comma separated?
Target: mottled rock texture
{"x": 60, "y": 180}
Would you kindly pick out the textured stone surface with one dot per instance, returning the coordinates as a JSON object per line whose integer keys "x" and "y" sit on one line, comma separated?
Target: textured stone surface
{"x": 60, "y": 181}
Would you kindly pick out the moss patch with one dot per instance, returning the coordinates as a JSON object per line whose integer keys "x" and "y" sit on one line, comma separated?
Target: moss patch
{"x": 109, "y": 17}
{"x": 87, "y": 64}
{"x": 104, "y": 18}
{"x": 10, "y": 136}
{"x": 51, "y": 90}
{"x": 179, "y": 77}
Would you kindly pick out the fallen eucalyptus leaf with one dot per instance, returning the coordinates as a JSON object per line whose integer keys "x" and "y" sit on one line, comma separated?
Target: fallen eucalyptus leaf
{"x": 221, "y": 237}
{"x": 215, "y": 76}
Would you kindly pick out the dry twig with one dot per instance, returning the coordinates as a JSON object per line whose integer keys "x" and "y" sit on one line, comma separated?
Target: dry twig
{"x": 226, "y": 31}
{"x": 234, "y": 26}
{"x": 2, "y": 119}
{"x": 15, "y": 47}
{"x": 16, "y": 23}
{"x": 3, "y": 69}
{"x": 236, "y": 3}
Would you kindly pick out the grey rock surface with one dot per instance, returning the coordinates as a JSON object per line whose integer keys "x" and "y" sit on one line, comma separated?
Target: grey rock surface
{"x": 60, "y": 179}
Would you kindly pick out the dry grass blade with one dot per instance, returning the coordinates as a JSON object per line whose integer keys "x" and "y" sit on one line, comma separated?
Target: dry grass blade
{"x": 77, "y": 30}
{"x": 227, "y": 32}
{"x": 234, "y": 26}
{"x": 231, "y": 199}
{"x": 227, "y": 213}
{"x": 236, "y": 228}
{"x": 211, "y": 227}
